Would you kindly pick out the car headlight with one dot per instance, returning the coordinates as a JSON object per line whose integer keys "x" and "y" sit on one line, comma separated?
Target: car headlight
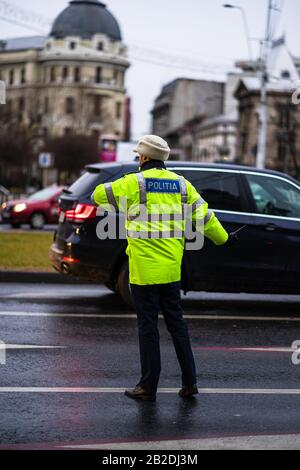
{"x": 19, "y": 207}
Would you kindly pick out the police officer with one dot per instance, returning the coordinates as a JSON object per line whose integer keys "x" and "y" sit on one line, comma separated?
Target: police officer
{"x": 153, "y": 200}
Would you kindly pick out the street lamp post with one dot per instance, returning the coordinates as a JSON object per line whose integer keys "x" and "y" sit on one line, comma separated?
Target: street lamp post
{"x": 241, "y": 9}
{"x": 263, "y": 112}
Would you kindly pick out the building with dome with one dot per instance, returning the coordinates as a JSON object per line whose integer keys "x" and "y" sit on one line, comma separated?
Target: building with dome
{"x": 72, "y": 81}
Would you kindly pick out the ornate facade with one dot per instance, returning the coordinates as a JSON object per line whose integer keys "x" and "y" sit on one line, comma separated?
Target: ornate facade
{"x": 72, "y": 81}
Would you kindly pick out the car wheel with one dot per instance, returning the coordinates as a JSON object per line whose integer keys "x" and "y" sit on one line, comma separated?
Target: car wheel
{"x": 37, "y": 221}
{"x": 15, "y": 226}
{"x": 123, "y": 286}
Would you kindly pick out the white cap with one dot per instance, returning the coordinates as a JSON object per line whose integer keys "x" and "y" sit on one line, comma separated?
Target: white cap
{"x": 153, "y": 147}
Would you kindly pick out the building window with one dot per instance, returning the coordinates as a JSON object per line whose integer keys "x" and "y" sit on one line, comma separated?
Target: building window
{"x": 118, "y": 110}
{"x": 8, "y": 108}
{"x": 68, "y": 131}
{"x": 23, "y": 76}
{"x": 70, "y": 105}
{"x": 100, "y": 46}
{"x": 116, "y": 76}
{"x": 77, "y": 74}
{"x": 52, "y": 74}
{"x": 11, "y": 77}
{"x": 65, "y": 73}
{"x": 97, "y": 105}
{"x": 46, "y": 105}
{"x": 73, "y": 45}
{"x": 285, "y": 74}
{"x": 244, "y": 143}
{"x": 285, "y": 117}
{"x": 96, "y": 135}
{"x": 21, "y": 104}
{"x": 98, "y": 75}
{"x": 120, "y": 79}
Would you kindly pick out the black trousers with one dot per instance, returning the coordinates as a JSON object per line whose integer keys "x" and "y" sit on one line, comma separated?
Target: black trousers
{"x": 149, "y": 302}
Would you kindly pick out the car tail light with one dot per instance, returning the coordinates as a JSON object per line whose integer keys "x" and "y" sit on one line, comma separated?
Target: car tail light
{"x": 81, "y": 213}
{"x": 68, "y": 259}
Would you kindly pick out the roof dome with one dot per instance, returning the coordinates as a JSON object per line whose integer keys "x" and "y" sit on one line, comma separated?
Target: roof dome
{"x": 84, "y": 18}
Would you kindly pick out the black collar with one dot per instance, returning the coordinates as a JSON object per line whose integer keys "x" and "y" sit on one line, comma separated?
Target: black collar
{"x": 153, "y": 164}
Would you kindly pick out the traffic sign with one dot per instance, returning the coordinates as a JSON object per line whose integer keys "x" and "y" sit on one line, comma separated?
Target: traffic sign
{"x": 45, "y": 160}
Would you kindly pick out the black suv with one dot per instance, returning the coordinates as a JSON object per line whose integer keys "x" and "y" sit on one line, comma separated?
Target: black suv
{"x": 265, "y": 260}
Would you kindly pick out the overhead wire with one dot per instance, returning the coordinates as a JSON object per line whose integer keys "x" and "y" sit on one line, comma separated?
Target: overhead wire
{"x": 162, "y": 58}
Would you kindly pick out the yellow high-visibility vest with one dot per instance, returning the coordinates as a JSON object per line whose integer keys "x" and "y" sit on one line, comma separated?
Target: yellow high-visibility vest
{"x": 154, "y": 201}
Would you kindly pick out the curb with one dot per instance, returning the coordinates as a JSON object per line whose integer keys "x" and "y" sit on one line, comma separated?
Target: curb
{"x": 39, "y": 277}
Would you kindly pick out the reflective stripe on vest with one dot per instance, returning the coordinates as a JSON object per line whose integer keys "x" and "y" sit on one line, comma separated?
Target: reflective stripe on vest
{"x": 208, "y": 217}
{"x": 155, "y": 218}
{"x": 141, "y": 217}
{"x": 183, "y": 189}
{"x": 110, "y": 195}
{"x": 142, "y": 187}
{"x": 145, "y": 235}
{"x": 198, "y": 204}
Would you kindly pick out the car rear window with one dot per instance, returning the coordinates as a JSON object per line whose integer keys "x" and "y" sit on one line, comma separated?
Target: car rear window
{"x": 44, "y": 194}
{"x": 87, "y": 182}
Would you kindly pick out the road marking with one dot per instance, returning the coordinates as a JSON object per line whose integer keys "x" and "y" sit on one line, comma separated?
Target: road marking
{"x": 202, "y": 391}
{"x": 58, "y": 295}
{"x": 27, "y": 346}
{"x": 91, "y": 291}
{"x": 200, "y": 348}
{"x": 214, "y": 442}
{"x": 65, "y": 315}
{"x": 255, "y": 349}
{"x": 133, "y": 316}
{"x": 275, "y": 442}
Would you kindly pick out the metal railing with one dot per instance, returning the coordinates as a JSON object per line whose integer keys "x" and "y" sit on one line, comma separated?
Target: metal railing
{"x": 4, "y": 194}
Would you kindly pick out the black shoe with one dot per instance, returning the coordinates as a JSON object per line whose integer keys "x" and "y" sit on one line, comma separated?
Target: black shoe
{"x": 188, "y": 392}
{"x": 139, "y": 393}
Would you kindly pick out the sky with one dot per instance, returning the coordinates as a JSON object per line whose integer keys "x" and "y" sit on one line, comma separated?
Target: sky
{"x": 168, "y": 39}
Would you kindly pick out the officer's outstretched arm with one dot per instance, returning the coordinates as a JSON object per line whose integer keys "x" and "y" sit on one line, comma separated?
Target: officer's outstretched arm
{"x": 117, "y": 195}
{"x": 205, "y": 219}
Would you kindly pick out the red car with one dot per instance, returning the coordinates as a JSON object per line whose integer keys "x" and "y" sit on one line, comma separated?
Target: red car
{"x": 37, "y": 210}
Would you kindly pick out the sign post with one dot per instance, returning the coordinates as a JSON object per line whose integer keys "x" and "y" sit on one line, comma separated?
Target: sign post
{"x": 45, "y": 162}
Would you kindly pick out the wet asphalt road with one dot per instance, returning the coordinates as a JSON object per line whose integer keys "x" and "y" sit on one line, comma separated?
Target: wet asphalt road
{"x": 8, "y": 228}
{"x": 72, "y": 350}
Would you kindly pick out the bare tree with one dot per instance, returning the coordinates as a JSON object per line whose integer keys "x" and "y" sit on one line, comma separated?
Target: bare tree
{"x": 15, "y": 157}
{"x": 72, "y": 153}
